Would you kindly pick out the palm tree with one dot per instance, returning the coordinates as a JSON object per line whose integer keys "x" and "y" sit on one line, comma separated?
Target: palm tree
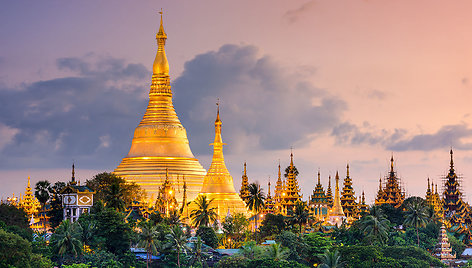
{"x": 416, "y": 216}
{"x": 375, "y": 228}
{"x": 197, "y": 251}
{"x": 177, "y": 239}
{"x": 67, "y": 239}
{"x": 330, "y": 259}
{"x": 276, "y": 252}
{"x": 149, "y": 239}
{"x": 174, "y": 218}
{"x": 204, "y": 214}
{"x": 41, "y": 192}
{"x": 300, "y": 215}
{"x": 255, "y": 201}
{"x": 251, "y": 250}
{"x": 114, "y": 196}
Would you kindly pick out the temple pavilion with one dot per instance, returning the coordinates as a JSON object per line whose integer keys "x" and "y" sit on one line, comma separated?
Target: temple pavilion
{"x": 392, "y": 192}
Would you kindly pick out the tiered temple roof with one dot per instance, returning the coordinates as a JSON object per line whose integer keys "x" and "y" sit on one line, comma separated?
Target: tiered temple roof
{"x": 244, "y": 191}
{"x": 329, "y": 193}
{"x": 348, "y": 200}
{"x": 392, "y": 193}
{"x": 455, "y": 208}
{"x": 166, "y": 201}
{"x": 363, "y": 207}
{"x": 291, "y": 191}
{"x": 443, "y": 249}
{"x": 318, "y": 196}
{"x": 28, "y": 201}
{"x": 270, "y": 204}
{"x": 336, "y": 213}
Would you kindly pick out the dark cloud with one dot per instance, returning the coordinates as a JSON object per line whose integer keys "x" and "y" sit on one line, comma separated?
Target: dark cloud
{"x": 398, "y": 140}
{"x": 86, "y": 116}
{"x": 444, "y": 138}
{"x": 294, "y": 14}
{"x": 264, "y": 106}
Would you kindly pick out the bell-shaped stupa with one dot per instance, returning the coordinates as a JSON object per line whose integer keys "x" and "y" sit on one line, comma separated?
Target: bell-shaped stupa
{"x": 218, "y": 183}
{"x": 160, "y": 141}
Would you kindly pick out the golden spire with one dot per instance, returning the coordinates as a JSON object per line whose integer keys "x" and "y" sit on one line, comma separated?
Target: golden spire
{"x": 29, "y": 184}
{"x": 436, "y": 189}
{"x": 269, "y": 188}
{"x": 347, "y": 175}
{"x": 391, "y": 164}
{"x": 279, "y": 171}
{"x": 160, "y": 67}
{"x": 337, "y": 209}
{"x": 73, "y": 182}
{"x": 319, "y": 180}
{"x": 245, "y": 174}
{"x": 380, "y": 184}
{"x": 291, "y": 157}
{"x": 429, "y": 189}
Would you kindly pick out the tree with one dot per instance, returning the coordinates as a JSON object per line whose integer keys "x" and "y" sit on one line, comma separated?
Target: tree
{"x": 15, "y": 251}
{"x": 149, "y": 239}
{"x": 114, "y": 196}
{"x": 204, "y": 214}
{"x": 255, "y": 201}
{"x": 66, "y": 240}
{"x": 234, "y": 227}
{"x": 56, "y": 213}
{"x": 276, "y": 252}
{"x": 42, "y": 193}
{"x": 208, "y": 236}
{"x": 300, "y": 214}
{"x": 317, "y": 244}
{"x": 375, "y": 228}
{"x": 102, "y": 183}
{"x": 12, "y": 215}
{"x": 330, "y": 259}
{"x": 251, "y": 250}
{"x": 416, "y": 216}
{"x": 296, "y": 244}
{"x": 177, "y": 240}
{"x": 272, "y": 225}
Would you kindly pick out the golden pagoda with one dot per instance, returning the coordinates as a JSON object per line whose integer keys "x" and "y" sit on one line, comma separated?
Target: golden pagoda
{"x": 336, "y": 214}
{"x": 363, "y": 207}
{"x": 279, "y": 188}
{"x": 291, "y": 191}
{"x": 270, "y": 206}
{"x": 166, "y": 202}
{"x": 244, "y": 191}
{"x": 443, "y": 250}
{"x": 348, "y": 200}
{"x": 218, "y": 183}
{"x": 392, "y": 193}
{"x": 28, "y": 201}
{"x": 160, "y": 140}
{"x": 329, "y": 193}
{"x": 434, "y": 201}
{"x": 318, "y": 202}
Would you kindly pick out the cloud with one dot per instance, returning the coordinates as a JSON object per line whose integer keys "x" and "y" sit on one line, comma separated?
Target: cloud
{"x": 263, "y": 105}
{"x": 401, "y": 140}
{"x": 452, "y": 135}
{"x": 85, "y": 116}
{"x": 294, "y": 14}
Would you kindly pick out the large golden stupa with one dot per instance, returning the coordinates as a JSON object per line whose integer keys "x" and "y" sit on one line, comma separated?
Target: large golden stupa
{"x": 218, "y": 183}
{"x": 160, "y": 141}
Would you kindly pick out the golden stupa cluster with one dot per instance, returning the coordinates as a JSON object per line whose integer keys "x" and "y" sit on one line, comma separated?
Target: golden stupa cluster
{"x": 160, "y": 159}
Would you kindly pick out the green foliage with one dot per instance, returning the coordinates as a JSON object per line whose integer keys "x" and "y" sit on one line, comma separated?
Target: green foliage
{"x": 270, "y": 263}
{"x": 114, "y": 191}
{"x": 56, "y": 213}
{"x": 12, "y": 215}
{"x": 251, "y": 250}
{"x": 76, "y": 265}
{"x": 149, "y": 238}
{"x": 297, "y": 246}
{"x": 330, "y": 259}
{"x": 178, "y": 241}
{"x": 235, "y": 261}
{"x": 208, "y": 236}
{"x": 276, "y": 252}
{"x": 316, "y": 244}
{"x": 416, "y": 214}
{"x": 39, "y": 261}
{"x": 300, "y": 214}
{"x": 15, "y": 251}
{"x": 234, "y": 228}
{"x": 111, "y": 229}
{"x": 394, "y": 215}
{"x": 204, "y": 214}
{"x": 66, "y": 240}
{"x": 457, "y": 245}
{"x": 375, "y": 229}
{"x": 102, "y": 259}
{"x": 272, "y": 225}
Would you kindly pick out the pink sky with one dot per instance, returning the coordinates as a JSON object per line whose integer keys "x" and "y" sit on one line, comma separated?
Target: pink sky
{"x": 397, "y": 65}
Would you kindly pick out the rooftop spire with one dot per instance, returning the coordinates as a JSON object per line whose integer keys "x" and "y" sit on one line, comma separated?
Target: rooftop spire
{"x": 452, "y": 160}
{"x": 29, "y": 185}
{"x": 319, "y": 180}
{"x": 391, "y": 164}
{"x": 347, "y": 175}
{"x": 291, "y": 157}
{"x": 73, "y": 182}
{"x": 160, "y": 68}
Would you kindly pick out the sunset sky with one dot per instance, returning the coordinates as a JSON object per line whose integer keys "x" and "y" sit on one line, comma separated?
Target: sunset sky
{"x": 339, "y": 81}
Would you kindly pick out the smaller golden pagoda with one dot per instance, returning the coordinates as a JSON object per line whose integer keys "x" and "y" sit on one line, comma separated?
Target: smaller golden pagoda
{"x": 318, "y": 203}
{"x": 270, "y": 206}
{"x": 363, "y": 207}
{"x": 336, "y": 214}
{"x": 28, "y": 202}
{"x": 279, "y": 188}
{"x": 244, "y": 191}
{"x": 329, "y": 193}
{"x": 443, "y": 249}
{"x": 218, "y": 183}
{"x": 166, "y": 202}
{"x": 434, "y": 201}
{"x": 392, "y": 193}
{"x": 291, "y": 195}
{"x": 348, "y": 200}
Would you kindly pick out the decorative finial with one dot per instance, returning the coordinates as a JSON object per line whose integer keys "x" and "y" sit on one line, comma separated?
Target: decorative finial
{"x": 429, "y": 189}
{"x": 452, "y": 161}
{"x": 218, "y": 110}
{"x": 347, "y": 167}
{"x": 244, "y": 168}
{"x": 291, "y": 156}
{"x": 391, "y": 163}
{"x": 319, "y": 180}
{"x": 29, "y": 185}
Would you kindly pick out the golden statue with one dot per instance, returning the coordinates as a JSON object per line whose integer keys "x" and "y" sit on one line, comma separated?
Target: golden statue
{"x": 160, "y": 141}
